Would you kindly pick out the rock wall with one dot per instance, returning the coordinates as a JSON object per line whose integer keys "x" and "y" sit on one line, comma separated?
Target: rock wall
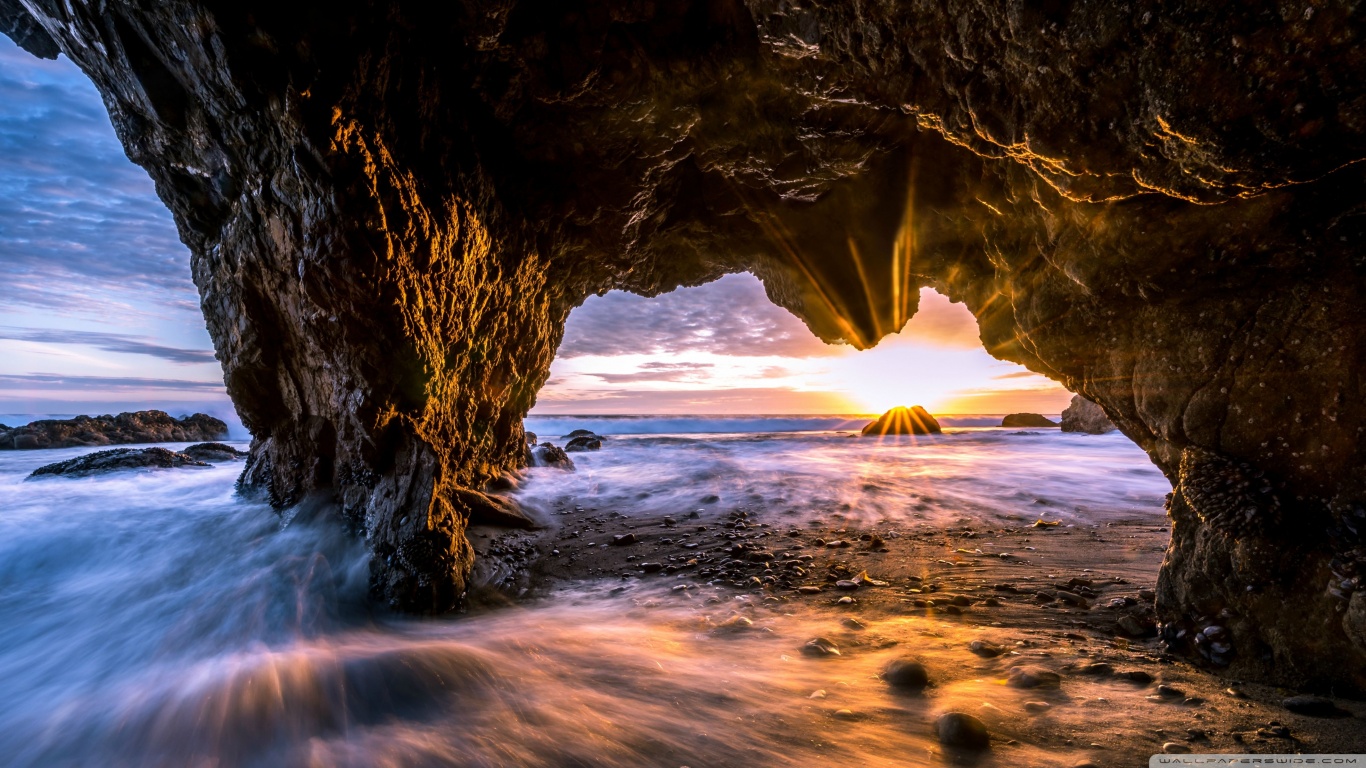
{"x": 392, "y": 208}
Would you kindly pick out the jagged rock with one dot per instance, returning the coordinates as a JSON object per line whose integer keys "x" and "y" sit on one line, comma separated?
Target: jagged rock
{"x": 1085, "y": 416}
{"x": 488, "y": 509}
{"x": 549, "y": 455}
{"x": 117, "y": 460}
{"x": 392, "y": 207}
{"x": 581, "y": 433}
{"x": 136, "y": 427}
{"x": 214, "y": 452}
{"x": 903, "y": 421}
{"x": 1025, "y": 420}
{"x": 531, "y": 439}
{"x": 583, "y": 443}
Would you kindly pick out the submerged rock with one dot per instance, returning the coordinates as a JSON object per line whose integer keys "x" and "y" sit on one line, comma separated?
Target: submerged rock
{"x": 903, "y": 421}
{"x": 116, "y": 460}
{"x": 583, "y": 443}
{"x": 1027, "y": 420}
{"x": 133, "y": 427}
{"x": 956, "y": 729}
{"x": 1314, "y": 706}
{"x": 1085, "y": 416}
{"x": 906, "y": 675}
{"x": 549, "y": 455}
{"x": 214, "y": 452}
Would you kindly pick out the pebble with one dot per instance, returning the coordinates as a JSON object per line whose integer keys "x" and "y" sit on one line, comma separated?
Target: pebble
{"x": 955, "y": 729}
{"x": 624, "y": 538}
{"x": 1071, "y": 598}
{"x": 1313, "y": 706}
{"x": 819, "y": 646}
{"x": 906, "y": 675}
{"x": 1037, "y": 706}
{"x": 846, "y": 584}
{"x": 1175, "y": 748}
{"x": 853, "y": 623}
{"x": 1135, "y": 676}
{"x": 652, "y": 567}
{"x": 809, "y": 590}
{"x": 1098, "y": 668}
{"x": 845, "y": 714}
{"x": 846, "y": 600}
{"x": 1170, "y": 692}
{"x": 1131, "y": 626}
{"x": 736, "y": 623}
{"x": 1032, "y": 677}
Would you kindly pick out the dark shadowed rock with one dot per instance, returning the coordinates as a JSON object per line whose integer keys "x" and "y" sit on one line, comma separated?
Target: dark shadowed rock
{"x": 136, "y": 427}
{"x": 1032, "y": 677}
{"x": 392, "y": 207}
{"x": 903, "y": 421}
{"x": 214, "y": 452}
{"x": 906, "y": 675}
{"x": 583, "y": 443}
{"x": 531, "y": 439}
{"x": 1085, "y": 416}
{"x": 117, "y": 460}
{"x": 549, "y": 455}
{"x": 1314, "y": 706}
{"x": 963, "y": 731}
{"x": 581, "y": 433}
{"x": 1026, "y": 420}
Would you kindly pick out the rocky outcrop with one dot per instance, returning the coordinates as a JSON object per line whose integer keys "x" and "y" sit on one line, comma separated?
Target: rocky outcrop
{"x": 1082, "y": 415}
{"x": 392, "y": 206}
{"x": 214, "y": 452}
{"x": 1027, "y": 420}
{"x": 117, "y": 460}
{"x": 582, "y": 440}
{"x": 138, "y": 427}
{"x": 903, "y": 421}
{"x": 549, "y": 455}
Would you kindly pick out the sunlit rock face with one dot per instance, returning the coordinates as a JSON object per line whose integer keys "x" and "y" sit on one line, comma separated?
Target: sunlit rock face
{"x": 393, "y": 208}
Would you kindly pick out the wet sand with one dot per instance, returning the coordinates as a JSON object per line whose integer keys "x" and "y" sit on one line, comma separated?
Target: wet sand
{"x": 970, "y": 602}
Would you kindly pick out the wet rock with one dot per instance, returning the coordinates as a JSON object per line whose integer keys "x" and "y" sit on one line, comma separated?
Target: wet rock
{"x": 117, "y": 460}
{"x": 847, "y": 585}
{"x": 583, "y": 443}
{"x": 1314, "y": 706}
{"x": 710, "y": 498}
{"x": 134, "y": 427}
{"x": 960, "y": 730}
{"x": 550, "y": 455}
{"x": 906, "y": 675}
{"x": 1139, "y": 676}
{"x": 1175, "y": 748}
{"x": 1134, "y": 627}
{"x": 1085, "y": 416}
{"x": 531, "y": 439}
{"x": 1027, "y": 420}
{"x": 622, "y": 539}
{"x": 809, "y": 589}
{"x": 986, "y": 648}
{"x": 819, "y": 646}
{"x": 1098, "y": 669}
{"x": 1037, "y": 706}
{"x": 1032, "y": 677}
{"x": 214, "y": 452}
{"x": 490, "y": 509}
{"x": 903, "y": 421}
{"x": 652, "y": 567}
{"x": 734, "y": 624}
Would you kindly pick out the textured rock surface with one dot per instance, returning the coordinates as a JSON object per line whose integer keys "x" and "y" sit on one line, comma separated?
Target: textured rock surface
{"x": 1019, "y": 420}
{"x": 1082, "y": 415}
{"x": 117, "y": 460}
{"x": 392, "y": 207}
{"x": 213, "y": 452}
{"x": 903, "y": 421}
{"x": 138, "y": 427}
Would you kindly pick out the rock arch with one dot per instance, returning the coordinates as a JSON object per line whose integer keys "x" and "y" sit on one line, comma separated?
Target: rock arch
{"x": 392, "y": 208}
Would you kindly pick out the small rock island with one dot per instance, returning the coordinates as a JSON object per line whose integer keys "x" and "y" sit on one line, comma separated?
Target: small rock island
{"x": 904, "y": 421}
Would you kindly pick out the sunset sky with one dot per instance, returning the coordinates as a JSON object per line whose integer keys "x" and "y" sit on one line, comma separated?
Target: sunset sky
{"x": 97, "y": 311}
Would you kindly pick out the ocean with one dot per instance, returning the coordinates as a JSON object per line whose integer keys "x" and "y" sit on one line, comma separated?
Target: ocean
{"x": 156, "y": 618}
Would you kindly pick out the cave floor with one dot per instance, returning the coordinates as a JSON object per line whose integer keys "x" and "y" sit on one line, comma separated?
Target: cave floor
{"x": 970, "y": 602}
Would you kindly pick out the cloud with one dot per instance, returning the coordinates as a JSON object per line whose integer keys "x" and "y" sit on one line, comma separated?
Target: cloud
{"x": 82, "y": 231}
{"x": 109, "y": 342}
{"x": 745, "y": 400}
{"x": 71, "y": 384}
{"x": 731, "y": 316}
{"x": 1016, "y": 375}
